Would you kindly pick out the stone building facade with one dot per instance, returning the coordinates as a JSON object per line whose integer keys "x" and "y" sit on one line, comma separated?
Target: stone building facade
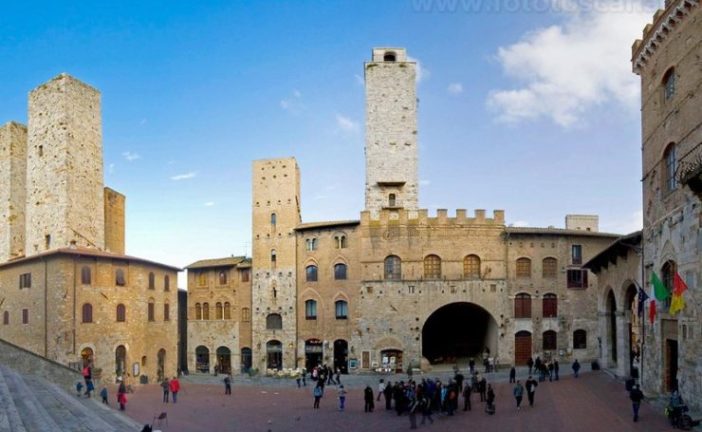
{"x": 399, "y": 287}
{"x": 667, "y": 59}
{"x": 219, "y": 315}
{"x": 67, "y": 291}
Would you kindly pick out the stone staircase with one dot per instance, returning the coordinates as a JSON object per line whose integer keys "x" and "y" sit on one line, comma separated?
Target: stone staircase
{"x": 32, "y": 404}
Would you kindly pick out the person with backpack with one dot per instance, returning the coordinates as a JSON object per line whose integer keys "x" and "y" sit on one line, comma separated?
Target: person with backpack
{"x": 518, "y": 392}
{"x": 636, "y": 396}
{"x": 317, "y": 392}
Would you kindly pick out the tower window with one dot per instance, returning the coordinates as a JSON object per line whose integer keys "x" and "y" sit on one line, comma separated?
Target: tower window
{"x": 41, "y": 150}
{"x": 669, "y": 84}
{"x": 392, "y": 200}
{"x": 389, "y": 57}
{"x": 274, "y": 258}
{"x": 274, "y": 219}
{"x": 670, "y": 168}
{"x": 47, "y": 241}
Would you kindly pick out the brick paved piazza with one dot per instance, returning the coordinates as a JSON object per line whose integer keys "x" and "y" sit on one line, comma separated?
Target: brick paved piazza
{"x": 594, "y": 402}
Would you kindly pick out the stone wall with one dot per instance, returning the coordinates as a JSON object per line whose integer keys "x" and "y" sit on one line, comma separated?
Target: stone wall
{"x": 114, "y": 221}
{"x": 27, "y": 362}
{"x": 13, "y": 173}
{"x": 64, "y": 167}
{"x": 391, "y": 131}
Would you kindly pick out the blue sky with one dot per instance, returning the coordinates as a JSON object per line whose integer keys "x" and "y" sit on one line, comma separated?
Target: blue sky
{"x": 531, "y": 111}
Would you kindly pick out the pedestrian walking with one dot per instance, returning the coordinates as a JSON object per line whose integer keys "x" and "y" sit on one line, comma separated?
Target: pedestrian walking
{"x": 88, "y": 377}
{"x": 412, "y": 409}
{"x": 518, "y": 392}
{"x": 103, "y": 395}
{"x": 122, "y": 395}
{"x": 555, "y": 368}
{"x": 425, "y": 406}
{"x": 228, "y": 385}
{"x": 459, "y": 380}
{"x": 369, "y": 404}
{"x": 381, "y": 388}
{"x": 482, "y": 388}
{"x": 338, "y": 376}
{"x": 512, "y": 374}
{"x": 174, "y": 385}
{"x": 530, "y": 363}
{"x": 576, "y": 368}
{"x": 636, "y": 396}
{"x": 318, "y": 392}
{"x": 490, "y": 408}
{"x": 387, "y": 394}
{"x": 471, "y": 366}
{"x": 165, "y": 385}
{"x": 342, "y": 397}
{"x": 531, "y": 385}
{"x": 467, "y": 390}
{"x": 550, "y": 371}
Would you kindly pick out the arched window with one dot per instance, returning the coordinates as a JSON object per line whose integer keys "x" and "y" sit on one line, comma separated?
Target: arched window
{"x": 166, "y": 312}
{"x": 85, "y": 275}
{"x": 87, "y": 313}
{"x": 471, "y": 267}
{"x": 311, "y": 273}
{"x": 311, "y": 244}
{"x": 522, "y": 306}
{"x": 550, "y": 341}
{"x": 432, "y": 267}
{"x": 245, "y": 314}
{"x": 227, "y": 311}
{"x": 274, "y": 322}
{"x": 222, "y": 276}
{"x": 549, "y": 268}
{"x": 579, "y": 339}
{"x": 274, "y": 219}
{"x": 341, "y": 308}
{"x": 393, "y": 268}
{"x": 202, "y": 278}
{"x": 392, "y": 200}
{"x": 152, "y": 281}
{"x": 274, "y": 258}
{"x": 389, "y": 56}
{"x": 198, "y": 311}
{"x": 151, "y": 310}
{"x": 339, "y": 271}
{"x": 549, "y": 306}
{"x": 6, "y": 318}
{"x": 340, "y": 241}
{"x": 121, "y": 313}
{"x": 523, "y": 267}
{"x": 669, "y": 84}
{"x": 668, "y": 271}
{"x": 166, "y": 283}
{"x": 671, "y": 162}
{"x": 205, "y": 311}
{"x": 120, "y": 280}
{"x": 311, "y": 309}
{"x": 219, "y": 311}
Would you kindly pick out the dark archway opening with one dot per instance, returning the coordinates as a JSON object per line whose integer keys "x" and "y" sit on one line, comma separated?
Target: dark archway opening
{"x": 341, "y": 355}
{"x": 612, "y": 322}
{"x": 458, "y": 331}
{"x": 633, "y": 341}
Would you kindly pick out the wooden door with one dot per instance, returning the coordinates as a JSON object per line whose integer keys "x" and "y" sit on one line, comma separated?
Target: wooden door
{"x": 522, "y": 348}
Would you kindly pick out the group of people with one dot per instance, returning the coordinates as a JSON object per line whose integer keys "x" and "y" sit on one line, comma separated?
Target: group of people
{"x": 170, "y": 387}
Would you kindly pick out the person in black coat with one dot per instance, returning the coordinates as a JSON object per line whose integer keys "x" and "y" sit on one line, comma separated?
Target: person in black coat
{"x": 531, "y": 385}
{"x": 512, "y": 375}
{"x": 368, "y": 399}
{"x": 636, "y": 396}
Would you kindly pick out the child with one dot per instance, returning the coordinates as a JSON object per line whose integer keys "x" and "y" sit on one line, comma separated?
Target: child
{"x": 79, "y": 388}
{"x": 103, "y": 394}
{"x": 342, "y": 397}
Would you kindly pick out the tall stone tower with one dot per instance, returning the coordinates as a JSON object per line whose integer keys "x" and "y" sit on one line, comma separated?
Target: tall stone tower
{"x": 114, "y": 221}
{"x": 13, "y": 169}
{"x": 391, "y": 131}
{"x": 276, "y": 213}
{"x": 65, "y": 204}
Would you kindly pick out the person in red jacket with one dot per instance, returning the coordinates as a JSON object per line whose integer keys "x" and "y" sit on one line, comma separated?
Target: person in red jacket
{"x": 175, "y": 388}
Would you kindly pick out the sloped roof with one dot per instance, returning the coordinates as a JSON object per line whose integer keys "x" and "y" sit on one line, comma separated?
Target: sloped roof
{"x": 87, "y": 252}
{"x": 219, "y": 262}
{"x": 557, "y": 231}
{"x": 325, "y": 224}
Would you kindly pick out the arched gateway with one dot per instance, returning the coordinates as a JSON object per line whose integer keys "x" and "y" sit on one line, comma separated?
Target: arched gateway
{"x": 458, "y": 331}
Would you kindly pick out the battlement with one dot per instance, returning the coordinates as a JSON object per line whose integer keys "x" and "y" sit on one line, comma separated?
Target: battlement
{"x": 422, "y": 217}
{"x": 664, "y": 23}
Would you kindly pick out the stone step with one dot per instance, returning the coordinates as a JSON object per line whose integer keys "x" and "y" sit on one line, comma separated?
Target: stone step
{"x": 33, "y": 415}
{"x": 10, "y": 420}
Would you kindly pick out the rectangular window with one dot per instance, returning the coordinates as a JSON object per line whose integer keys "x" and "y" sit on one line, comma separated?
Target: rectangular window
{"x": 202, "y": 278}
{"x": 311, "y": 310}
{"x": 245, "y": 314}
{"x": 151, "y": 312}
{"x": 25, "y": 316}
{"x": 25, "y": 280}
{"x": 577, "y": 254}
{"x": 120, "y": 280}
{"x": 85, "y": 276}
{"x": 342, "y": 310}
{"x": 245, "y": 275}
{"x": 577, "y": 278}
{"x": 222, "y": 277}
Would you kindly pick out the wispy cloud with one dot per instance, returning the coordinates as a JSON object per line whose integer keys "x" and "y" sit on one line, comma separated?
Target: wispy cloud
{"x": 568, "y": 69}
{"x": 422, "y": 72}
{"x": 129, "y": 156}
{"x": 455, "y": 88}
{"x": 359, "y": 79}
{"x": 520, "y": 223}
{"x": 424, "y": 182}
{"x": 345, "y": 123}
{"x": 293, "y": 103}
{"x": 209, "y": 203}
{"x": 184, "y": 176}
{"x": 111, "y": 168}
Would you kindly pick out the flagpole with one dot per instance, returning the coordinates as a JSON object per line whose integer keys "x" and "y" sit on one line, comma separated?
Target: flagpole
{"x": 642, "y": 318}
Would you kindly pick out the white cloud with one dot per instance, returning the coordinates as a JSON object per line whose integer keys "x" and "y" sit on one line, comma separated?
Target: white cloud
{"x": 627, "y": 224}
{"x": 293, "y": 103}
{"x": 520, "y": 223}
{"x": 565, "y": 70}
{"x": 111, "y": 168}
{"x": 209, "y": 203}
{"x": 455, "y": 88}
{"x": 422, "y": 72}
{"x": 131, "y": 156}
{"x": 184, "y": 176}
{"x": 424, "y": 182}
{"x": 346, "y": 124}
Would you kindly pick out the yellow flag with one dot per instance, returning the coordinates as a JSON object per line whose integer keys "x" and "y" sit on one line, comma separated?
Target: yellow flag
{"x": 677, "y": 303}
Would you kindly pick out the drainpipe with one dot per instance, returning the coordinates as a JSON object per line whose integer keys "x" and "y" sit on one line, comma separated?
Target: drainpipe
{"x": 74, "y": 306}
{"x": 642, "y": 318}
{"x": 46, "y": 309}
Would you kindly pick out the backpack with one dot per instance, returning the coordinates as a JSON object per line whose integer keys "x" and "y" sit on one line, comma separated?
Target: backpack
{"x": 317, "y": 391}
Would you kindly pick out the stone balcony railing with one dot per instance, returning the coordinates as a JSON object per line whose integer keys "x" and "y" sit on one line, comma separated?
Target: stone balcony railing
{"x": 689, "y": 171}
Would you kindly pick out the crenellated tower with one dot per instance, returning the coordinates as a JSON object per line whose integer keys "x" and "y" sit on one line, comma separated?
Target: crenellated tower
{"x": 391, "y": 131}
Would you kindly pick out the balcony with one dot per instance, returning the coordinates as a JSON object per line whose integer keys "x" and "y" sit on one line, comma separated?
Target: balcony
{"x": 689, "y": 172}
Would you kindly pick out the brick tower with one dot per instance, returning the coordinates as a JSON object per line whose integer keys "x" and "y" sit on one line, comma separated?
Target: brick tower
{"x": 391, "y": 131}
{"x": 13, "y": 167}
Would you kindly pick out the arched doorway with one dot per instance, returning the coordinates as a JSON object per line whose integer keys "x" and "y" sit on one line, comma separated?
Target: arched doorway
{"x": 120, "y": 361}
{"x": 522, "y": 347}
{"x": 87, "y": 356}
{"x": 313, "y": 353}
{"x": 632, "y": 340}
{"x": 458, "y": 331}
{"x": 224, "y": 360}
{"x": 341, "y": 355}
{"x": 391, "y": 360}
{"x": 245, "y": 359}
{"x": 161, "y": 364}
{"x": 611, "y": 306}
{"x": 274, "y": 355}
{"x": 202, "y": 359}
